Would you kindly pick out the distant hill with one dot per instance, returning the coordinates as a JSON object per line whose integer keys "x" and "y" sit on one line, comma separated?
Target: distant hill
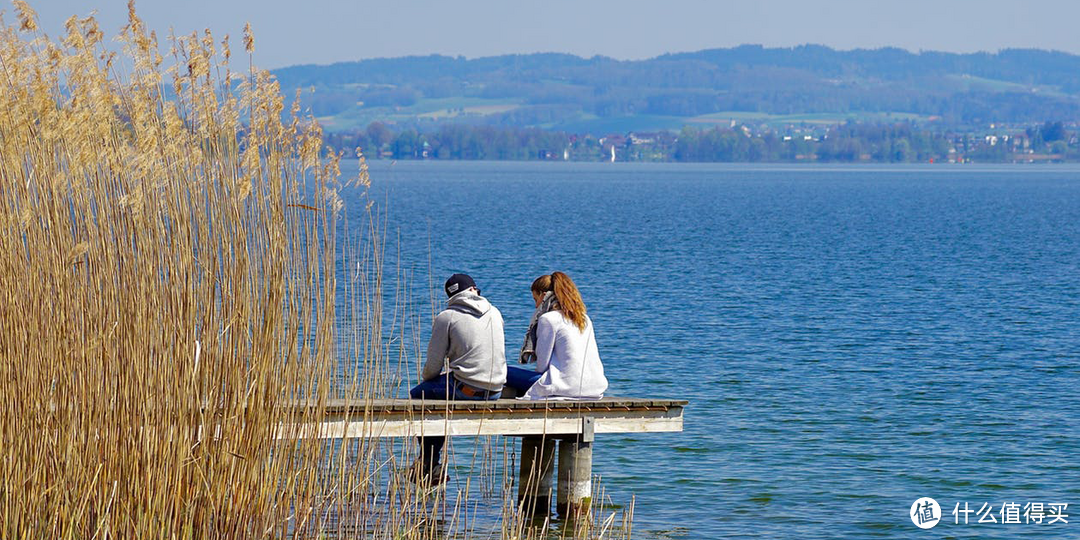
{"x": 808, "y": 84}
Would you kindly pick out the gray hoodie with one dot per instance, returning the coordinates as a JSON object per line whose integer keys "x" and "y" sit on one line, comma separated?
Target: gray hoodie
{"x": 470, "y": 334}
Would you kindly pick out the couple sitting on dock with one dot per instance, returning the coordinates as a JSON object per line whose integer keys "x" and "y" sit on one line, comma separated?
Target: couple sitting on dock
{"x": 467, "y": 340}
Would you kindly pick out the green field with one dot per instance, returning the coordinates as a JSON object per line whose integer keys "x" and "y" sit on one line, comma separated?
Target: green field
{"x": 424, "y": 110}
{"x": 588, "y": 123}
{"x": 779, "y": 120}
{"x": 970, "y": 83}
{"x": 436, "y": 110}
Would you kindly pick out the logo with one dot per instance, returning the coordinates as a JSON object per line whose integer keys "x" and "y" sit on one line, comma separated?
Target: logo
{"x": 925, "y": 513}
{"x": 453, "y": 288}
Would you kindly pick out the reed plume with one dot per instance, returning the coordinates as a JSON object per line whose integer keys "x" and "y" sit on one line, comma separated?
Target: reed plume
{"x": 168, "y": 280}
{"x": 171, "y": 303}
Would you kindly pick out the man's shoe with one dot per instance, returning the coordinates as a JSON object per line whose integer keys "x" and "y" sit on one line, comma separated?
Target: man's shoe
{"x": 437, "y": 476}
{"x": 418, "y": 475}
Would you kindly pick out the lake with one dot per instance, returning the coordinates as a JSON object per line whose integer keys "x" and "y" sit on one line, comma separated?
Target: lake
{"x": 850, "y": 338}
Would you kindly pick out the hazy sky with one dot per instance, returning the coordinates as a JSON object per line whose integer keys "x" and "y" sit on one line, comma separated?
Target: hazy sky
{"x": 326, "y": 31}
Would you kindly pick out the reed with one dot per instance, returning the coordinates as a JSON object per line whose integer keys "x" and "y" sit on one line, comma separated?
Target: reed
{"x": 174, "y": 280}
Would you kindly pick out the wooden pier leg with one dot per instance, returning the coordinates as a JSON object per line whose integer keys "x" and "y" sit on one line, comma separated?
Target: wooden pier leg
{"x": 535, "y": 476}
{"x": 575, "y": 477}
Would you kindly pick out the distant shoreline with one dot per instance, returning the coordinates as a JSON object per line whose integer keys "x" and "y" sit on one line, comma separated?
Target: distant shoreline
{"x": 851, "y": 142}
{"x": 383, "y": 165}
{"x": 1035, "y": 162}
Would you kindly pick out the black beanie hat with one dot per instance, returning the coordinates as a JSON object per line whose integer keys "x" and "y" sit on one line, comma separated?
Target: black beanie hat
{"x": 458, "y": 283}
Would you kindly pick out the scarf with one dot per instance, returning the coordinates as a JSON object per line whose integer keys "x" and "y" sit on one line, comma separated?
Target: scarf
{"x": 528, "y": 349}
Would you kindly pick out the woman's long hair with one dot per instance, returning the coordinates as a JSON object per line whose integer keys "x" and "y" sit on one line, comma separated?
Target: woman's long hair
{"x": 570, "y": 303}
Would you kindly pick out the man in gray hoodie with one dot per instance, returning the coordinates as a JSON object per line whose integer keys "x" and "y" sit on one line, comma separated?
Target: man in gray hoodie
{"x": 466, "y": 359}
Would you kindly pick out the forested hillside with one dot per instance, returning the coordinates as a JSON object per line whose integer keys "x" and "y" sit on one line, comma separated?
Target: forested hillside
{"x": 807, "y": 84}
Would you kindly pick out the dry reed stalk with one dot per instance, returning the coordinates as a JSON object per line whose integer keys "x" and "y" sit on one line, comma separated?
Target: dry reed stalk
{"x": 169, "y": 294}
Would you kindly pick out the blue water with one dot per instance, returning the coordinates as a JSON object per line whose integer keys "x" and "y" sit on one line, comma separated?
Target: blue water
{"x": 850, "y": 339}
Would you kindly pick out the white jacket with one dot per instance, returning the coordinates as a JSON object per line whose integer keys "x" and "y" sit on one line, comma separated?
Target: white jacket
{"x": 568, "y": 359}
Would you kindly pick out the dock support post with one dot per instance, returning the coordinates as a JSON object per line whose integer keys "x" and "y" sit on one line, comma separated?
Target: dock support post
{"x": 535, "y": 475}
{"x": 575, "y": 477}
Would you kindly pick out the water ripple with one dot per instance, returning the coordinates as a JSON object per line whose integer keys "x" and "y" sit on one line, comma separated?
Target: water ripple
{"x": 849, "y": 339}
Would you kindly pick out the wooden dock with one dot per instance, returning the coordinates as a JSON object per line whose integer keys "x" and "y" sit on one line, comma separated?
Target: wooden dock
{"x": 572, "y": 425}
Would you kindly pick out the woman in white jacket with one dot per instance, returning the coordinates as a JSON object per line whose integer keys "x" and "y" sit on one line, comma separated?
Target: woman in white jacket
{"x": 568, "y": 362}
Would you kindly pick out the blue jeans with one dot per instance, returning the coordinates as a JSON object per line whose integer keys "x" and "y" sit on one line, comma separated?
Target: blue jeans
{"x": 521, "y": 379}
{"x": 445, "y": 387}
{"x": 442, "y": 387}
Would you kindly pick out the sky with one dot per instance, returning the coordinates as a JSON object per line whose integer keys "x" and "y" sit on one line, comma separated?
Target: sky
{"x": 327, "y": 31}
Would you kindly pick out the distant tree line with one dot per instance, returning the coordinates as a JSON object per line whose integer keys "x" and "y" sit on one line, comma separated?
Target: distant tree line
{"x": 899, "y": 143}
{"x": 452, "y": 141}
{"x": 851, "y": 142}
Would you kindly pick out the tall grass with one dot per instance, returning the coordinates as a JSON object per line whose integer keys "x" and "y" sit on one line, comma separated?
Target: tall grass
{"x": 171, "y": 288}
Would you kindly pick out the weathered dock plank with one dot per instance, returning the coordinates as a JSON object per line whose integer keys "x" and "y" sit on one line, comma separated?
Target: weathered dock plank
{"x": 410, "y": 418}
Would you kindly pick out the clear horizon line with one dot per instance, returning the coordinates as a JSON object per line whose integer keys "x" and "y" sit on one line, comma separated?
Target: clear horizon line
{"x": 673, "y": 53}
